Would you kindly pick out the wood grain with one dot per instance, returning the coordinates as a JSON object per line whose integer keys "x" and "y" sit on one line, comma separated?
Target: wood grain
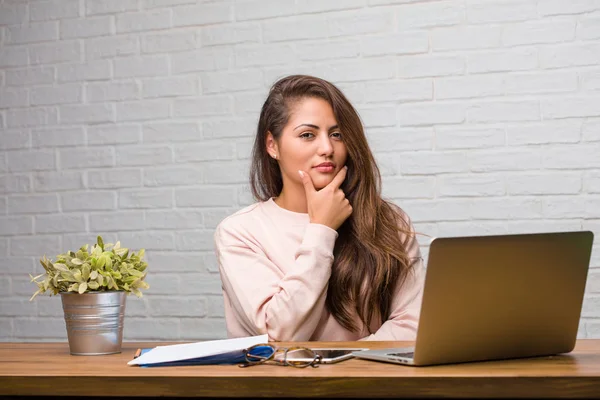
{"x": 47, "y": 369}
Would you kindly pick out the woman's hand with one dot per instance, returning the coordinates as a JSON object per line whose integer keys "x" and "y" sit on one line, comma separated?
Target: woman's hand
{"x": 328, "y": 206}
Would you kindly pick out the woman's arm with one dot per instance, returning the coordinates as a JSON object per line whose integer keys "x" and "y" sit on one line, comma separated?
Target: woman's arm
{"x": 265, "y": 300}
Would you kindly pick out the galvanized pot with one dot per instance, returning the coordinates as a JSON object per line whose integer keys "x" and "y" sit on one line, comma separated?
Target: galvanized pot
{"x": 94, "y": 321}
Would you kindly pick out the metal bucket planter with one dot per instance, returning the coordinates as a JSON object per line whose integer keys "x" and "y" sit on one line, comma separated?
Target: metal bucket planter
{"x": 94, "y": 321}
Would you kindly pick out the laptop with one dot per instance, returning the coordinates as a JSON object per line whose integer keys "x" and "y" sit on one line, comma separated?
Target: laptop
{"x": 498, "y": 297}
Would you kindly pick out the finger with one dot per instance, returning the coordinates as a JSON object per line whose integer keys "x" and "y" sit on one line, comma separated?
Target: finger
{"x": 307, "y": 182}
{"x": 339, "y": 178}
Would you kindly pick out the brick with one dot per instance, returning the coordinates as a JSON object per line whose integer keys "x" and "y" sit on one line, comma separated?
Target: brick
{"x": 87, "y": 158}
{"x": 262, "y": 9}
{"x": 10, "y": 226}
{"x": 31, "y": 160}
{"x": 36, "y": 75}
{"x": 505, "y": 60}
{"x": 165, "y": 3}
{"x": 556, "y": 7}
{"x": 14, "y": 57}
{"x": 15, "y": 139}
{"x": 172, "y": 176}
{"x": 263, "y": 55}
{"x": 202, "y": 106}
{"x": 562, "y": 131}
{"x": 114, "y": 178}
{"x": 53, "y": 9}
{"x": 110, "y": 47}
{"x": 563, "y": 207}
{"x": 544, "y": 183}
{"x": 148, "y": 240}
{"x": 86, "y": 113}
{"x": 378, "y": 116}
{"x": 329, "y": 50}
{"x": 503, "y": 160}
{"x": 470, "y": 86}
{"x": 536, "y": 226}
{"x": 506, "y": 208}
{"x": 539, "y": 32}
{"x": 210, "y": 59}
{"x": 228, "y": 34}
{"x": 93, "y": 71}
{"x": 243, "y": 148}
{"x": 395, "y": 139}
{"x": 465, "y": 38}
{"x": 588, "y": 28}
{"x": 13, "y": 183}
{"x": 590, "y": 80}
{"x": 61, "y": 94}
{"x": 110, "y": 6}
{"x": 112, "y": 91}
{"x": 403, "y": 43}
{"x": 461, "y": 228}
{"x": 33, "y": 204}
{"x": 591, "y": 182}
{"x": 205, "y": 151}
{"x": 144, "y": 21}
{"x": 205, "y": 196}
{"x": 500, "y": 11}
{"x": 144, "y": 155}
{"x": 203, "y": 14}
{"x": 136, "y": 67}
{"x": 53, "y": 53}
{"x": 86, "y": 27}
{"x": 430, "y": 65}
{"x": 222, "y": 172}
{"x": 13, "y": 13}
{"x": 194, "y": 240}
{"x": 146, "y": 198}
{"x": 56, "y": 181}
{"x": 13, "y": 97}
{"x": 168, "y": 42}
{"x": 168, "y": 132}
{"x": 151, "y": 329}
{"x": 569, "y": 55}
{"x": 219, "y": 82}
{"x": 3, "y": 247}
{"x": 37, "y": 246}
{"x": 313, "y": 6}
{"x": 423, "y": 15}
{"x": 566, "y": 107}
{"x": 34, "y": 32}
{"x": 572, "y": 156}
{"x": 216, "y": 306}
{"x": 352, "y": 71}
{"x": 408, "y": 188}
{"x": 52, "y": 328}
{"x": 437, "y": 210}
{"x": 88, "y": 201}
{"x": 143, "y": 110}
{"x": 431, "y": 163}
{"x": 170, "y": 306}
{"x": 212, "y": 217}
{"x": 524, "y": 110}
{"x": 57, "y": 137}
{"x": 469, "y": 137}
{"x": 591, "y": 130}
{"x": 203, "y": 329}
{"x": 362, "y": 22}
{"x": 136, "y": 307}
{"x": 114, "y": 134}
{"x": 540, "y": 82}
{"x": 117, "y": 221}
{"x": 293, "y": 28}
{"x": 19, "y": 266}
{"x": 171, "y": 262}
{"x": 170, "y": 87}
{"x": 431, "y": 113}
{"x": 61, "y": 223}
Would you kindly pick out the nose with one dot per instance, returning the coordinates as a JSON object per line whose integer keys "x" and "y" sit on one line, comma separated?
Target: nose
{"x": 325, "y": 146}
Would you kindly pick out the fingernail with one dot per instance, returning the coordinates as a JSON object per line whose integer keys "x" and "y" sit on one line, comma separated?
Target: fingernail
{"x": 301, "y": 174}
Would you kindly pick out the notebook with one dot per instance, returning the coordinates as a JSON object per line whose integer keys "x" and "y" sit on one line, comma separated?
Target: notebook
{"x": 498, "y": 297}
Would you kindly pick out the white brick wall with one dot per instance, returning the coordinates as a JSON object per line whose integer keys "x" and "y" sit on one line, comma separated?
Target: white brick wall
{"x": 134, "y": 119}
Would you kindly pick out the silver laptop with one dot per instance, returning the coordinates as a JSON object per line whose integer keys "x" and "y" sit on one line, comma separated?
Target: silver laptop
{"x": 498, "y": 297}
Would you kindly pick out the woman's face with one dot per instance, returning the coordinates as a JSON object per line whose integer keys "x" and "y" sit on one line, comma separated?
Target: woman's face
{"x": 311, "y": 142}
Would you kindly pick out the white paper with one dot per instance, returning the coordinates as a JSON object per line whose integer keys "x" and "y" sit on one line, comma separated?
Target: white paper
{"x": 186, "y": 351}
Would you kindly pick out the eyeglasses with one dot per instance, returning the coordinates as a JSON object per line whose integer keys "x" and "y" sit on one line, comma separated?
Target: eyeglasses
{"x": 297, "y": 357}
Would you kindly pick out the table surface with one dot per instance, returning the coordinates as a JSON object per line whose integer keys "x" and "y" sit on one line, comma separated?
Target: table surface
{"x": 47, "y": 369}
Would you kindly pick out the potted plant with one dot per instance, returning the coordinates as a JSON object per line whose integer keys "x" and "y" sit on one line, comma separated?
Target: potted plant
{"x": 93, "y": 286}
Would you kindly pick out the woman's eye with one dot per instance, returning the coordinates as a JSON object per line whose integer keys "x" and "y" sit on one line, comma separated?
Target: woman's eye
{"x": 306, "y": 135}
{"x": 336, "y": 135}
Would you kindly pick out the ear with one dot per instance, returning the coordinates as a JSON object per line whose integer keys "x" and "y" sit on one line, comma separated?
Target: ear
{"x": 272, "y": 148}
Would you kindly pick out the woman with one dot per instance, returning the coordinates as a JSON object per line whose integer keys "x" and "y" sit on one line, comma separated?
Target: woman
{"x": 321, "y": 256}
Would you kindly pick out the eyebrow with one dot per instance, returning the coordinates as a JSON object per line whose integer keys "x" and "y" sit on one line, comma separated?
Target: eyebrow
{"x": 315, "y": 126}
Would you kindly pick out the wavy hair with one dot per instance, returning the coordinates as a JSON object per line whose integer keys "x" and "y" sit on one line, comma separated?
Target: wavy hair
{"x": 368, "y": 261}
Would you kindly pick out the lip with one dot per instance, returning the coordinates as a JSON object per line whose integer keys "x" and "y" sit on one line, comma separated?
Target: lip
{"x": 326, "y": 167}
{"x": 326, "y": 164}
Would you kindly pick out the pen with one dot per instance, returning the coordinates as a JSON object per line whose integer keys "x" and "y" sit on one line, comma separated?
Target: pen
{"x": 137, "y": 353}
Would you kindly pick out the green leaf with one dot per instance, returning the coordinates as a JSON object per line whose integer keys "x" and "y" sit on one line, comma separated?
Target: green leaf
{"x": 93, "y": 285}
{"x": 100, "y": 242}
{"x": 77, "y": 275}
{"x": 85, "y": 272}
{"x": 93, "y": 275}
{"x": 76, "y": 261}
{"x": 82, "y": 288}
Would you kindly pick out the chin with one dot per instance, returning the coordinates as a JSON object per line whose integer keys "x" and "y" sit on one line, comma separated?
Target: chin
{"x": 321, "y": 181}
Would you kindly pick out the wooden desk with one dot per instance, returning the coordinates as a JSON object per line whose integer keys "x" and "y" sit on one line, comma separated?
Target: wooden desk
{"x": 47, "y": 369}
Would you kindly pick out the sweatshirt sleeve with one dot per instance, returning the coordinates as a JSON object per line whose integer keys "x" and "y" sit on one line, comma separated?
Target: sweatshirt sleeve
{"x": 287, "y": 307}
{"x": 406, "y": 302}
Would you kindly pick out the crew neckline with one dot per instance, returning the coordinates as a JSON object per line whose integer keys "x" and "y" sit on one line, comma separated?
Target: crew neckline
{"x": 293, "y": 214}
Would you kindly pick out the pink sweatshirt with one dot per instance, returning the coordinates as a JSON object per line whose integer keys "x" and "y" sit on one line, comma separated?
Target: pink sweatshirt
{"x": 275, "y": 267}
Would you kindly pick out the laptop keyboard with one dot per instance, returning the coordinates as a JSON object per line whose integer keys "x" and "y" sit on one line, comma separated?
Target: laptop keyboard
{"x": 410, "y": 354}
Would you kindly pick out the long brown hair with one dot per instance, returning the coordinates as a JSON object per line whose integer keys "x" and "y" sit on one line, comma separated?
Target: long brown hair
{"x": 368, "y": 260}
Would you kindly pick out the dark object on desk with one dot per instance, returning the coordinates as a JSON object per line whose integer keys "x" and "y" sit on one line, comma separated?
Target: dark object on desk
{"x": 498, "y": 297}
